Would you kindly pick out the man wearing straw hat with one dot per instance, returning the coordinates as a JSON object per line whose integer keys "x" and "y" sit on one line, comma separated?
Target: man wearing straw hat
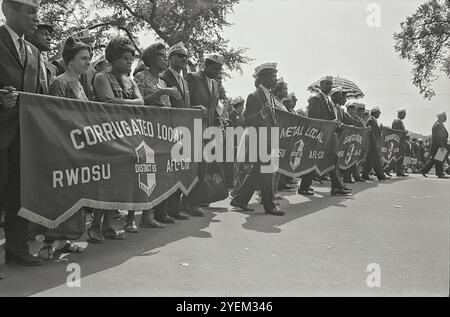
{"x": 19, "y": 69}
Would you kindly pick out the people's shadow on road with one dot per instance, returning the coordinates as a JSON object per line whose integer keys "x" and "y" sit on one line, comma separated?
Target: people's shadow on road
{"x": 26, "y": 281}
{"x": 258, "y": 221}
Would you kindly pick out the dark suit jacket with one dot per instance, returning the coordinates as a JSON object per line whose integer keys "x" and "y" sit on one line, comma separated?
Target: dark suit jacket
{"x": 200, "y": 95}
{"x": 252, "y": 114}
{"x": 52, "y": 72}
{"x": 171, "y": 81}
{"x": 24, "y": 77}
{"x": 397, "y": 124}
{"x": 439, "y": 135}
{"x": 320, "y": 108}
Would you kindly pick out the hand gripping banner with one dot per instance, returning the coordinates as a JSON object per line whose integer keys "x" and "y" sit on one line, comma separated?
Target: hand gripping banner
{"x": 305, "y": 144}
{"x": 392, "y": 144}
{"x": 353, "y": 146}
{"x": 107, "y": 156}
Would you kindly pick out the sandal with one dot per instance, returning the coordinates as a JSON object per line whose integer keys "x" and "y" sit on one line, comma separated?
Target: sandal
{"x": 93, "y": 237}
{"x": 47, "y": 251}
{"x": 131, "y": 227}
{"x": 113, "y": 234}
{"x": 71, "y": 247}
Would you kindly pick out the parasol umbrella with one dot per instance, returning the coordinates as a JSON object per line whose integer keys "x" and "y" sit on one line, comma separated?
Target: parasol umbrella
{"x": 352, "y": 90}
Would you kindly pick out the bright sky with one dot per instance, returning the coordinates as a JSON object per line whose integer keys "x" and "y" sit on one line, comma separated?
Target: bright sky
{"x": 313, "y": 38}
{"x": 310, "y": 39}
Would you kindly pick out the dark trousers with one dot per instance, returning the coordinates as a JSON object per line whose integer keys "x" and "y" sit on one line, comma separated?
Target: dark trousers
{"x": 15, "y": 227}
{"x": 173, "y": 203}
{"x": 373, "y": 160}
{"x": 431, "y": 161}
{"x": 254, "y": 180}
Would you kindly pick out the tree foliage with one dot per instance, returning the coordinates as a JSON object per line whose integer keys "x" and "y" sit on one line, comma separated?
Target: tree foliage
{"x": 197, "y": 23}
{"x": 424, "y": 40}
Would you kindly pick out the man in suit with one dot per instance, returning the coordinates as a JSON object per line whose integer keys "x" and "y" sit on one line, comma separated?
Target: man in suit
{"x": 398, "y": 124}
{"x": 204, "y": 94}
{"x": 259, "y": 112}
{"x": 439, "y": 137}
{"x": 19, "y": 69}
{"x": 173, "y": 77}
{"x": 320, "y": 107}
{"x": 41, "y": 38}
{"x": 373, "y": 158}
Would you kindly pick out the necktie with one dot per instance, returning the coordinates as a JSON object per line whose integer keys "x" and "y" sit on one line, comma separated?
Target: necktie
{"x": 23, "y": 53}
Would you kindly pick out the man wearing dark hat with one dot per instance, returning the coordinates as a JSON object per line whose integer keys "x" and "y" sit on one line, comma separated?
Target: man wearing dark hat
{"x": 204, "y": 93}
{"x": 19, "y": 71}
{"x": 320, "y": 107}
{"x": 373, "y": 158}
{"x": 439, "y": 139}
{"x": 259, "y": 112}
{"x": 398, "y": 124}
{"x": 41, "y": 38}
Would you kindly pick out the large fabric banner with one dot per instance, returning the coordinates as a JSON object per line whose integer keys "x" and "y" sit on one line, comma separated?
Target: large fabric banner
{"x": 305, "y": 144}
{"x": 353, "y": 146}
{"x": 107, "y": 156}
{"x": 392, "y": 144}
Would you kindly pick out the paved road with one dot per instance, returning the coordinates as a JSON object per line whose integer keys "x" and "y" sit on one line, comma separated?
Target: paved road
{"x": 322, "y": 247}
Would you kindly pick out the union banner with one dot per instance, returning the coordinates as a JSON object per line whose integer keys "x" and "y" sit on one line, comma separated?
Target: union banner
{"x": 78, "y": 154}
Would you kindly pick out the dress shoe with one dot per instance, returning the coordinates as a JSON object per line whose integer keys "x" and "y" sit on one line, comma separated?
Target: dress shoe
{"x": 348, "y": 189}
{"x": 276, "y": 212}
{"x": 239, "y": 206}
{"x": 165, "y": 219}
{"x": 112, "y": 234}
{"x": 367, "y": 178}
{"x": 307, "y": 192}
{"x": 151, "y": 223}
{"x": 339, "y": 192}
{"x": 443, "y": 176}
{"x": 131, "y": 227}
{"x": 180, "y": 216}
{"x": 195, "y": 211}
{"x": 423, "y": 174}
{"x": 402, "y": 175}
{"x": 25, "y": 259}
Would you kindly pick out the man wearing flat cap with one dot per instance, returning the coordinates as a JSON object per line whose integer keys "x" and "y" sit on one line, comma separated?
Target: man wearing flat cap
{"x": 398, "y": 124}
{"x": 41, "y": 38}
{"x": 204, "y": 94}
{"x": 19, "y": 71}
{"x": 373, "y": 158}
{"x": 259, "y": 112}
{"x": 320, "y": 107}
{"x": 439, "y": 139}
